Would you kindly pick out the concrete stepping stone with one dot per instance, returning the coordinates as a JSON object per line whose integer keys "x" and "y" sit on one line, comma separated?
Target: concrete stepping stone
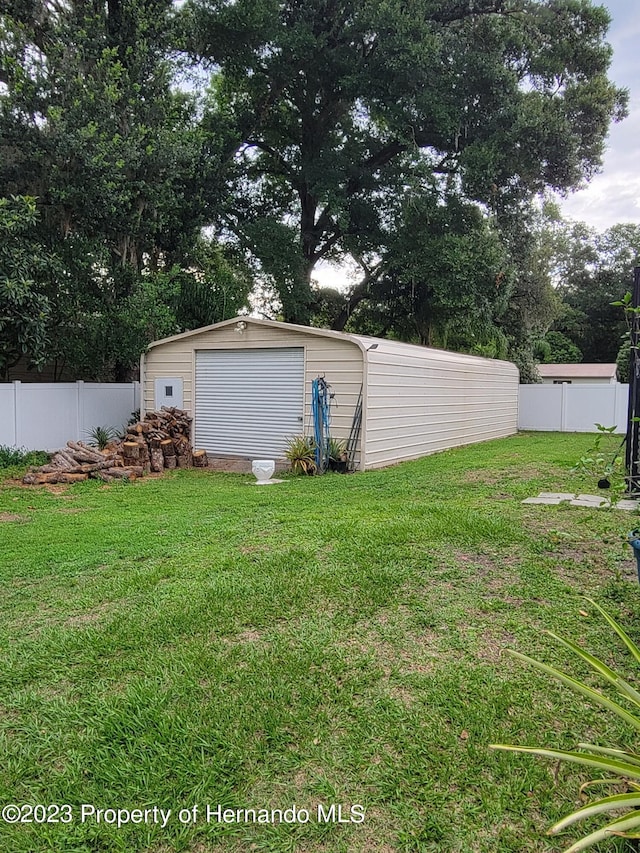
{"x": 629, "y": 505}
{"x": 563, "y": 496}
{"x": 591, "y": 501}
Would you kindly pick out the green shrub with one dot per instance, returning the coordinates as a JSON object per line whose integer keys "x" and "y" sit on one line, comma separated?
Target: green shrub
{"x": 12, "y": 456}
{"x": 605, "y": 463}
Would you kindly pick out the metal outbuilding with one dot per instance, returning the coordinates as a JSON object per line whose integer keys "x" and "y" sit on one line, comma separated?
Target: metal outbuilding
{"x": 578, "y": 374}
{"x": 247, "y": 384}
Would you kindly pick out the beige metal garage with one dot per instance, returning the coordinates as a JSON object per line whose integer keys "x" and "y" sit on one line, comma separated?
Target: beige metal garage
{"x": 247, "y": 384}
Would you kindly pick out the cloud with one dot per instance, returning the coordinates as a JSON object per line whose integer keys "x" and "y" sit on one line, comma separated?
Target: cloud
{"x": 614, "y": 194}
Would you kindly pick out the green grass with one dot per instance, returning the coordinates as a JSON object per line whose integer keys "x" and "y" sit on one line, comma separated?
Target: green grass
{"x": 197, "y": 640}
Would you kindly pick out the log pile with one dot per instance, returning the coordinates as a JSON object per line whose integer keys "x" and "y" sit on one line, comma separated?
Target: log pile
{"x": 159, "y": 441}
{"x": 74, "y": 463}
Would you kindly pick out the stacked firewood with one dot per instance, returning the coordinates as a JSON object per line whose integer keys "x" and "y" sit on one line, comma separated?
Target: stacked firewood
{"x": 162, "y": 441}
{"x": 159, "y": 441}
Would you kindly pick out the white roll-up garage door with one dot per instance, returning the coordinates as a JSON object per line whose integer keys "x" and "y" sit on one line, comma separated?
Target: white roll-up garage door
{"x": 247, "y": 402}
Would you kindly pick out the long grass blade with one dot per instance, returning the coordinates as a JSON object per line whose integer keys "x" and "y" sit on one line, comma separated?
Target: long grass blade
{"x": 616, "y": 827}
{"x": 613, "y": 753}
{"x": 600, "y": 667}
{"x": 601, "y": 762}
{"x": 606, "y": 804}
{"x": 579, "y": 687}
{"x": 601, "y": 783}
{"x": 626, "y": 639}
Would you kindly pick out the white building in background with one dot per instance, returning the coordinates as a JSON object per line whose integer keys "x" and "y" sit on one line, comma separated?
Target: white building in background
{"x": 578, "y": 374}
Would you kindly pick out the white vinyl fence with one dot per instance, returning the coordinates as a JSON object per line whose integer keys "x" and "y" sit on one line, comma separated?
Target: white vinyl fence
{"x": 44, "y": 416}
{"x": 572, "y": 408}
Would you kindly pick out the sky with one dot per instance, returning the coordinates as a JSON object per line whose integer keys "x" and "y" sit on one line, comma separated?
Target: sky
{"x": 614, "y": 194}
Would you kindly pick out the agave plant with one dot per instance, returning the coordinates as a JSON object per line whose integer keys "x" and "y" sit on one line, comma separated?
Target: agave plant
{"x": 300, "y": 452}
{"x": 100, "y": 436}
{"x": 619, "y": 765}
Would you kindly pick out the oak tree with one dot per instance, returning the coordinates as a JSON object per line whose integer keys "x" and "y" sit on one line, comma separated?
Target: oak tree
{"x": 338, "y": 106}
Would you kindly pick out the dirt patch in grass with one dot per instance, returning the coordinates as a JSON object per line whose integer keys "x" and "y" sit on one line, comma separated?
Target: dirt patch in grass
{"x": 255, "y": 549}
{"x": 481, "y": 477}
{"x": 396, "y": 647}
{"x": 401, "y": 694}
{"x": 13, "y": 516}
{"x": 534, "y": 471}
{"x": 520, "y": 473}
{"x": 53, "y": 488}
{"x": 486, "y": 563}
{"x": 89, "y": 617}
{"x": 371, "y": 836}
{"x": 492, "y": 644}
{"x": 9, "y": 717}
{"x": 249, "y": 635}
{"x": 489, "y": 573}
{"x": 62, "y": 689}
{"x": 576, "y": 554}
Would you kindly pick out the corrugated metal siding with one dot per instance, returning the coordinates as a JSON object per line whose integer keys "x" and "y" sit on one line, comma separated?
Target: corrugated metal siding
{"x": 338, "y": 360}
{"x": 248, "y": 401}
{"x": 174, "y": 359}
{"x": 417, "y": 400}
{"x": 420, "y": 401}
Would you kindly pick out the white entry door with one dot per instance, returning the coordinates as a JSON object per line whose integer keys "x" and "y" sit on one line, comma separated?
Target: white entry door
{"x": 248, "y": 401}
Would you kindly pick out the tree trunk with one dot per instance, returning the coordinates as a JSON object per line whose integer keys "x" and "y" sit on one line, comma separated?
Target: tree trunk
{"x": 200, "y": 459}
{"x": 131, "y": 450}
{"x": 358, "y": 295}
{"x": 157, "y": 459}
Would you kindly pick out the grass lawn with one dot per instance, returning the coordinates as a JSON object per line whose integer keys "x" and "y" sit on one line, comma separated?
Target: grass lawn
{"x": 196, "y": 640}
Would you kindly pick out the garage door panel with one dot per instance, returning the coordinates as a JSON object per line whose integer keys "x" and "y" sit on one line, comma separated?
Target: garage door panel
{"x": 248, "y": 401}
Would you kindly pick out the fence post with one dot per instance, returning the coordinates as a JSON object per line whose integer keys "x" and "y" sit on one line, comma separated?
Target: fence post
{"x": 620, "y": 405}
{"x": 16, "y": 414}
{"x": 79, "y": 409}
{"x": 632, "y": 462}
{"x": 563, "y": 407}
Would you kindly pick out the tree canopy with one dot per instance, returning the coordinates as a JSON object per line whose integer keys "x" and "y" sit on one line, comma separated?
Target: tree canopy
{"x": 406, "y": 136}
{"x": 595, "y": 270}
{"x": 24, "y": 311}
{"x": 94, "y": 126}
{"x": 340, "y": 107}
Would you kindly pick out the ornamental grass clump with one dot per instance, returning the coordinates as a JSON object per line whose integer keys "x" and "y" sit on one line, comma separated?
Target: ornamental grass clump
{"x": 102, "y": 436}
{"x": 300, "y": 453}
{"x": 620, "y": 765}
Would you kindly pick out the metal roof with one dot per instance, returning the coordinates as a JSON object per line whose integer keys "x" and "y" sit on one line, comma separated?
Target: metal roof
{"x": 364, "y": 342}
{"x": 577, "y": 371}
